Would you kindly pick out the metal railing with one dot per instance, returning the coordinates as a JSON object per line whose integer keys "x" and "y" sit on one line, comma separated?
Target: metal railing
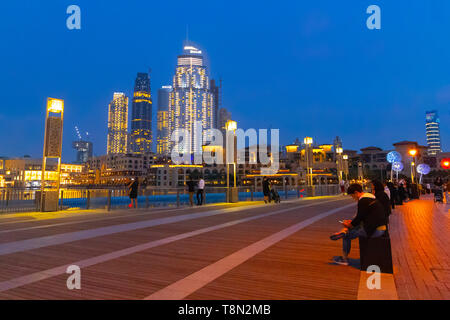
{"x": 23, "y": 200}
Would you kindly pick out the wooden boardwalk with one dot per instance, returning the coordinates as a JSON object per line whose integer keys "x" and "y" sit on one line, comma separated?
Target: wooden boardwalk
{"x": 226, "y": 251}
{"x": 421, "y": 250}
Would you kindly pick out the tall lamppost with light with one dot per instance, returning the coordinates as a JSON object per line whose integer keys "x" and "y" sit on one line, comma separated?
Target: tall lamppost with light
{"x": 414, "y": 186}
{"x": 339, "y": 151}
{"x": 308, "y": 159}
{"x": 345, "y": 157}
{"x": 230, "y": 158}
{"x": 412, "y": 153}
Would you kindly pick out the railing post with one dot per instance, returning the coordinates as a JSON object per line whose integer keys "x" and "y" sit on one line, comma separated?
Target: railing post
{"x": 147, "y": 202}
{"x": 108, "y": 201}
{"x": 88, "y": 199}
{"x": 298, "y": 192}
{"x": 251, "y": 193}
{"x": 178, "y": 197}
{"x": 7, "y": 198}
{"x": 285, "y": 192}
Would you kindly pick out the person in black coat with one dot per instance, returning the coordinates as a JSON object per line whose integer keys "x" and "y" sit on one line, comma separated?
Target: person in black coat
{"x": 393, "y": 191}
{"x": 266, "y": 189}
{"x": 382, "y": 197}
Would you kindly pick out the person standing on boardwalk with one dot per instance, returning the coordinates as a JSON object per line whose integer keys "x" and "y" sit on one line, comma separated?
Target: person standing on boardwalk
{"x": 382, "y": 197}
{"x": 369, "y": 222}
{"x": 133, "y": 192}
{"x": 392, "y": 193}
{"x": 191, "y": 189}
{"x": 401, "y": 192}
{"x": 200, "y": 191}
{"x": 342, "y": 185}
{"x": 266, "y": 189}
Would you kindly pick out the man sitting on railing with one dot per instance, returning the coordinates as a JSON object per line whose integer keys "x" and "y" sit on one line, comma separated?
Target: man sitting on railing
{"x": 369, "y": 222}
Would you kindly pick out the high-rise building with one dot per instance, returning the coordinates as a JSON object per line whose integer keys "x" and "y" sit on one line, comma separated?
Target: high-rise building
{"x": 118, "y": 124}
{"x": 433, "y": 132}
{"x": 217, "y": 99}
{"x": 162, "y": 126}
{"x": 141, "y": 117}
{"x": 191, "y": 99}
{"x": 84, "y": 150}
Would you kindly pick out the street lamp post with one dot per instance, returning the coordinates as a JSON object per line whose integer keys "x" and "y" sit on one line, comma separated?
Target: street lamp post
{"x": 308, "y": 157}
{"x": 230, "y": 158}
{"x": 412, "y": 153}
{"x": 414, "y": 187}
{"x": 345, "y": 157}
{"x": 339, "y": 163}
{"x": 309, "y": 163}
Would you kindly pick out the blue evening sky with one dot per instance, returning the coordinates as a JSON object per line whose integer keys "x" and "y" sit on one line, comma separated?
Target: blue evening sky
{"x": 309, "y": 68}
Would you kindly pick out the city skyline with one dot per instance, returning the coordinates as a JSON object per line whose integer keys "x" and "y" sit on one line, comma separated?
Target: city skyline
{"x": 290, "y": 96}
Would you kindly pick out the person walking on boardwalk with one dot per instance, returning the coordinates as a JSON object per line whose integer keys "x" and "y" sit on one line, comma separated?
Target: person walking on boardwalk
{"x": 133, "y": 192}
{"x": 191, "y": 189}
{"x": 200, "y": 191}
{"x": 369, "y": 222}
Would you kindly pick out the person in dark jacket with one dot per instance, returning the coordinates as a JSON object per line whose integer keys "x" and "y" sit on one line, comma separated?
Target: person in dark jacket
{"x": 191, "y": 189}
{"x": 402, "y": 192}
{"x": 133, "y": 191}
{"x": 380, "y": 195}
{"x": 393, "y": 191}
{"x": 266, "y": 189}
{"x": 369, "y": 222}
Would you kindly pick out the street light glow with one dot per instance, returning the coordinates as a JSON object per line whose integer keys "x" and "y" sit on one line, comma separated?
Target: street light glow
{"x": 412, "y": 152}
{"x": 339, "y": 150}
{"x": 231, "y": 125}
{"x": 308, "y": 140}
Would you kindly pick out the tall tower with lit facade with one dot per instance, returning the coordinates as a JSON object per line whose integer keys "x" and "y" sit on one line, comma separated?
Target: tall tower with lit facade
{"x": 118, "y": 124}
{"x": 191, "y": 99}
{"x": 433, "y": 132}
{"x": 217, "y": 98}
{"x": 141, "y": 120}
{"x": 162, "y": 126}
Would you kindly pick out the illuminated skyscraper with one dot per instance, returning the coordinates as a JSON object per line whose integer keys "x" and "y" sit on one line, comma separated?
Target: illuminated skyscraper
{"x": 191, "y": 99}
{"x": 433, "y": 132}
{"x": 217, "y": 98}
{"x": 163, "y": 134}
{"x": 141, "y": 120}
{"x": 118, "y": 124}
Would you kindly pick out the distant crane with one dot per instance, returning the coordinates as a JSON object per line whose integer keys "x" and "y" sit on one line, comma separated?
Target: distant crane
{"x": 78, "y": 133}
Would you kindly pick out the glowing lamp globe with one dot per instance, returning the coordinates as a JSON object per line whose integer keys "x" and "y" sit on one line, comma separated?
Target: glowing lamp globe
{"x": 445, "y": 163}
{"x": 423, "y": 168}
{"x": 397, "y": 166}
{"x": 393, "y": 156}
